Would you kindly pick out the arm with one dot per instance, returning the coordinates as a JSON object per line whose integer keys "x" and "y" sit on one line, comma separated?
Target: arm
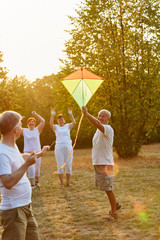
{"x": 72, "y": 118}
{"x": 95, "y": 122}
{"x": 22, "y": 128}
{"x": 38, "y": 154}
{"x": 42, "y": 123}
{"x": 52, "y": 119}
{"x": 43, "y": 152}
{"x": 9, "y": 180}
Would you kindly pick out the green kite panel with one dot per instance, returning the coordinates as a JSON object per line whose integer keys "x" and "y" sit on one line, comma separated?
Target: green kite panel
{"x": 82, "y": 94}
{"x": 93, "y": 84}
{"x": 71, "y": 84}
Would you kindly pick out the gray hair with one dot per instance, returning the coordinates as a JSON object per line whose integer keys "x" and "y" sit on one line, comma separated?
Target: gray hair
{"x": 108, "y": 113}
{"x": 8, "y": 120}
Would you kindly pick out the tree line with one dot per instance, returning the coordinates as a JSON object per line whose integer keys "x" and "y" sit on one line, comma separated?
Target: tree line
{"x": 119, "y": 41}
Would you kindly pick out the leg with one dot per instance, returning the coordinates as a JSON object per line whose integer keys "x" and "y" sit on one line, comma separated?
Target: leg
{"x": 37, "y": 172}
{"x": 61, "y": 179}
{"x": 59, "y": 154}
{"x": 32, "y": 227}
{"x": 112, "y": 201}
{"x": 14, "y": 222}
{"x": 31, "y": 173}
{"x": 68, "y": 167}
{"x": 68, "y": 176}
{"x": 105, "y": 183}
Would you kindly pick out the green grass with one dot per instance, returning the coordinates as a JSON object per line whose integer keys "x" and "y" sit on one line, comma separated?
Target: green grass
{"x": 77, "y": 213}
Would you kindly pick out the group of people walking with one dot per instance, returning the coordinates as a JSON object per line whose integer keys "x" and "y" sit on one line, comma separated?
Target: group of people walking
{"x": 16, "y": 212}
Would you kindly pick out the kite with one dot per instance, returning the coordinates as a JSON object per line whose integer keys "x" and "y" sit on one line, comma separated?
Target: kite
{"x": 82, "y": 84}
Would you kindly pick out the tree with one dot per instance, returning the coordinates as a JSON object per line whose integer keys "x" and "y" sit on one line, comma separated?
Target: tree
{"x": 119, "y": 41}
{"x": 3, "y": 82}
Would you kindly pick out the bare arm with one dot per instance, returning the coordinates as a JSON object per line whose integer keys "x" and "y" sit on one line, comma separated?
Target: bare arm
{"x": 72, "y": 118}
{"x": 95, "y": 122}
{"x": 42, "y": 121}
{"x": 52, "y": 119}
{"x": 37, "y": 154}
{"x": 9, "y": 180}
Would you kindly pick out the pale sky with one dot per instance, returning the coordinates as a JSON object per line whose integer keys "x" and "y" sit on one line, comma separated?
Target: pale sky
{"x": 32, "y": 35}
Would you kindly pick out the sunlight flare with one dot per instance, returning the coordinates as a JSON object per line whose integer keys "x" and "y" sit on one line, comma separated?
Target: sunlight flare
{"x": 112, "y": 171}
{"x": 139, "y": 209}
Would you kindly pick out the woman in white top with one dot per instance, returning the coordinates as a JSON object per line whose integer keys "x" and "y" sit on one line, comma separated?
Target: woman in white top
{"x": 63, "y": 145}
{"x": 32, "y": 143}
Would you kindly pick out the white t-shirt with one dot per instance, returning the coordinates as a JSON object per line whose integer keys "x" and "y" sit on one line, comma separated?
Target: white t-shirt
{"x": 102, "y": 153}
{"x": 20, "y": 194}
{"x": 63, "y": 134}
{"x": 31, "y": 140}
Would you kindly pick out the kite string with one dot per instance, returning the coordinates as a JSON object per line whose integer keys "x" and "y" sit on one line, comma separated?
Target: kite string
{"x": 52, "y": 143}
{"x": 79, "y": 124}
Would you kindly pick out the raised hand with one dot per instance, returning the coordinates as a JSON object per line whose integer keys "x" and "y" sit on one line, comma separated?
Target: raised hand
{"x": 45, "y": 149}
{"x": 31, "y": 159}
{"x": 53, "y": 112}
{"x": 34, "y": 112}
{"x": 69, "y": 111}
{"x": 84, "y": 110}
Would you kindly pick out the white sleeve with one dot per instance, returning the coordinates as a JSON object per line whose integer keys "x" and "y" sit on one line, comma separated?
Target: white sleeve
{"x": 108, "y": 131}
{"x": 5, "y": 167}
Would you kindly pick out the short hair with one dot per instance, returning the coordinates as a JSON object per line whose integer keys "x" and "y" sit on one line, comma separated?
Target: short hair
{"x": 31, "y": 118}
{"x": 108, "y": 113}
{"x": 8, "y": 120}
{"x": 60, "y": 116}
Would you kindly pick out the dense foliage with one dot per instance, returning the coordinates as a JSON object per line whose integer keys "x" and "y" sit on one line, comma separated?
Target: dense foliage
{"x": 119, "y": 40}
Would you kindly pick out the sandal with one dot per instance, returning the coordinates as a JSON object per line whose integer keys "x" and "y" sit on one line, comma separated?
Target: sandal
{"x": 118, "y": 206}
{"x": 37, "y": 184}
{"x": 111, "y": 217}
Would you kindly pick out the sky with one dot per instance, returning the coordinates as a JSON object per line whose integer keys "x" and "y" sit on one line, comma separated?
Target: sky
{"x": 32, "y": 35}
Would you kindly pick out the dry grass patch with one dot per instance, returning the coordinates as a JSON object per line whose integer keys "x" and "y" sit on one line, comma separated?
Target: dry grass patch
{"x": 77, "y": 213}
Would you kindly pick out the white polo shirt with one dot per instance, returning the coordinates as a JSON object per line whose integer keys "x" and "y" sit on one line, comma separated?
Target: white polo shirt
{"x": 102, "y": 151}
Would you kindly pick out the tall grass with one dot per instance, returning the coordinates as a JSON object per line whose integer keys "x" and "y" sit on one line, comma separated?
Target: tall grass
{"x": 78, "y": 212}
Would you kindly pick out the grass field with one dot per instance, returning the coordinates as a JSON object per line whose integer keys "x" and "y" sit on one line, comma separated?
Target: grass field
{"x": 78, "y": 212}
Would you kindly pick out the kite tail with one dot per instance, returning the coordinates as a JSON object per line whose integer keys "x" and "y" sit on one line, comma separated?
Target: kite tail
{"x": 79, "y": 124}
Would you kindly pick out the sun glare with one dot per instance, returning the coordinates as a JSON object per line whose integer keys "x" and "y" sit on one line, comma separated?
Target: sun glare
{"x": 32, "y": 35}
{"x": 140, "y": 210}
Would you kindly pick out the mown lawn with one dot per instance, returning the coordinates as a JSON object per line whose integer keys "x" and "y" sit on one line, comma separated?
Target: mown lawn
{"x": 78, "y": 212}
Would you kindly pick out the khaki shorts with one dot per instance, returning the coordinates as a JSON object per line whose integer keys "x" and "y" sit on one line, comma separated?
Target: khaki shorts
{"x": 103, "y": 180}
{"x": 19, "y": 224}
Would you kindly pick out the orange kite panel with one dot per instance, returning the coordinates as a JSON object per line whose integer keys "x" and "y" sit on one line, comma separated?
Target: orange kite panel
{"x": 82, "y": 74}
